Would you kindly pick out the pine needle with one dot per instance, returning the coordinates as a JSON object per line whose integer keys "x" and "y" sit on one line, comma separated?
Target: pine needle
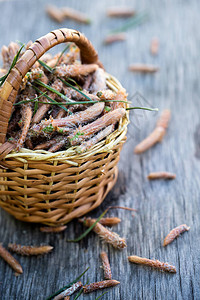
{"x": 80, "y": 292}
{"x": 107, "y": 108}
{"x": 78, "y": 295}
{"x": 35, "y": 108}
{"x": 50, "y": 99}
{"x": 101, "y": 295}
{"x": 72, "y": 80}
{"x": 62, "y": 96}
{"x": 74, "y": 88}
{"x": 61, "y": 54}
{"x": 3, "y": 79}
{"x": 45, "y": 66}
{"x": 54, "y": 102}
{"x": 67, "y": 286}
{"x": 132, "y": 22}
{"x": 89, "y": 229}
{"x": 144, "y": 108}
{"x": 19, "y": 42}
{"x": 30, "y": 100}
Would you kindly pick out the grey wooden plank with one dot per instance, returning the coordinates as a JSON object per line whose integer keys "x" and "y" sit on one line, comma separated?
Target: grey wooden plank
{"x": 161, "y": 205}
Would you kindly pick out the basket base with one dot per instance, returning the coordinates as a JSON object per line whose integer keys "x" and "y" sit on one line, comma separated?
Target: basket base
{"x": 77, "y": 212}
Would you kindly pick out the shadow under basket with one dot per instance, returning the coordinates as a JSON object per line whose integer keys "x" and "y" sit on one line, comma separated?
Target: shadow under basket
{"x": 54, "y": 188}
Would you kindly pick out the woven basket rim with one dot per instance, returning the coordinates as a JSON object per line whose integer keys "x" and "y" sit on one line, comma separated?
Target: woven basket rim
{"x": 71, "y": 155}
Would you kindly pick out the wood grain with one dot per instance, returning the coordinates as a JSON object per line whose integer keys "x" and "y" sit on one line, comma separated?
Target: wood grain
{"x": 161, "y": 205}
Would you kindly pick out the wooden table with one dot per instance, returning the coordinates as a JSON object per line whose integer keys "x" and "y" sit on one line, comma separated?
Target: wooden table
{"x": 161, "y": 205}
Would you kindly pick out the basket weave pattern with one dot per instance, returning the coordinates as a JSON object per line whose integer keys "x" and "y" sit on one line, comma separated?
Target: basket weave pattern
{"x": 54, "y": 188}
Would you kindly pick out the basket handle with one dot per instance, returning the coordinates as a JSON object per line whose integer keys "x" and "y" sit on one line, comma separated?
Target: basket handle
{"x": 30, "y": 56}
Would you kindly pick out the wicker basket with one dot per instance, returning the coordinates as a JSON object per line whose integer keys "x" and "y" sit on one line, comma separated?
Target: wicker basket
{"x": 54, "y": 188}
